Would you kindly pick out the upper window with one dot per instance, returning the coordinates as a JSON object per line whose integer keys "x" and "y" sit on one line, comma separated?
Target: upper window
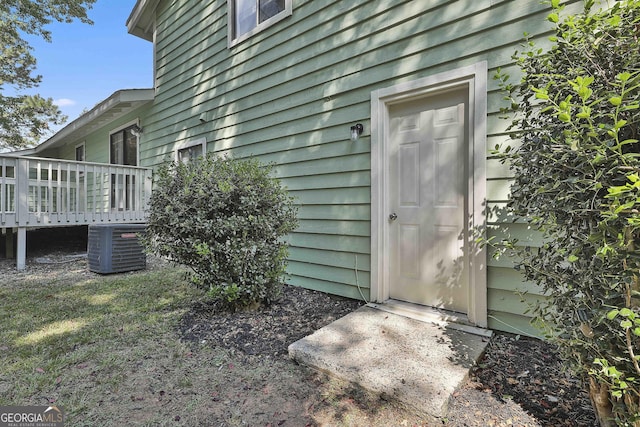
{"x": 247, "y": 17}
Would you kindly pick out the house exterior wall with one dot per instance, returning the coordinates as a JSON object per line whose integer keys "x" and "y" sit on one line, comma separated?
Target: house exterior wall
{"x": 289, "y": 95}
{"x": 97, "y": 142}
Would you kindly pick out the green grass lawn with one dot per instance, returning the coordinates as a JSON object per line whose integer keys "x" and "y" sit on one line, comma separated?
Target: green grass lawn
{"x": 107, "y": 350}
{"x": 75, "y": 343}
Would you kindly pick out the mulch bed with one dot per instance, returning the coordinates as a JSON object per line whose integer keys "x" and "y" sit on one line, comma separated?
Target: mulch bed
{"x": 530, "y": 372}
{"x": 515, "y": 372}
{"x": 267, "y": 331}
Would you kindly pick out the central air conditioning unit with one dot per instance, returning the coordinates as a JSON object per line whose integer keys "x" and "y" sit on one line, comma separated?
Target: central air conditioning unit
{"x": 116, "y": 248}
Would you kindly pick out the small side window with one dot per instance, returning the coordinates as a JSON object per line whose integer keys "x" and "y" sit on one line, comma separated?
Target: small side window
{"x": 248, "y": 17}
{"x": 80, "y": 153}
{"x": 191, "y": 150}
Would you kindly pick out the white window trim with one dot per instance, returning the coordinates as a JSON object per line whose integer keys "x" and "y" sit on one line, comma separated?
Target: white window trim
{"x": 473, "y": 77}
{"x": 120, "y": 128}
{"x": 189, "y": 144}
{"x": 288, "y": 11}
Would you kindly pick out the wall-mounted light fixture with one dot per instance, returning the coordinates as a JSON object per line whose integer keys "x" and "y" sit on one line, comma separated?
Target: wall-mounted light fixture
{"x": 356, "y": 131}
{"x": 136, "y": 130}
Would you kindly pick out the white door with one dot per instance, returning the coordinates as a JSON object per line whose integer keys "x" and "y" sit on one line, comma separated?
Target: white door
{"x": 427, "y": 204}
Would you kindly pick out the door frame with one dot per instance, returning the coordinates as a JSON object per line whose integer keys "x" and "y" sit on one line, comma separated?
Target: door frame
{"x": 473, "y": 78}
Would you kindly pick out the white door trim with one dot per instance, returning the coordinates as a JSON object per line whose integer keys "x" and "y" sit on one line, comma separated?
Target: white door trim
{"x": 474, "y": 79}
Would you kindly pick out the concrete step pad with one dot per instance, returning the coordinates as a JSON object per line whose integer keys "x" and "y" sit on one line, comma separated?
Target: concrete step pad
{"x": 420, "y": 364}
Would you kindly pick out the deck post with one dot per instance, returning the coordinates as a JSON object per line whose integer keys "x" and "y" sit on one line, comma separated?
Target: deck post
{"x": 21, "y": 259}
{"x": 22, "y": 193}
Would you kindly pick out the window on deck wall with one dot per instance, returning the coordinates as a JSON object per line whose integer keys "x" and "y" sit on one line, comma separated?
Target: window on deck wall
{"x": 247, "y": 17}
{"x": 123, "y": 148}
{"x": 80, "y": 153}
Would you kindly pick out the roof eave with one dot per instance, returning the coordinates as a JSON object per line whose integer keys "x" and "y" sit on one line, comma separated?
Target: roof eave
{"x": 141, "y": 20}
{"x": 80, "y": 127}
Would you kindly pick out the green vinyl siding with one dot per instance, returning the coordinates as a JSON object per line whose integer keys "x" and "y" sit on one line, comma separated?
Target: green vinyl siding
{"x": 290, "y": 93}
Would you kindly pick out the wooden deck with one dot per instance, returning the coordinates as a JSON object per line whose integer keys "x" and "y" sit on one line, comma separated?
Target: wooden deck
{"x": 39, "y": 192}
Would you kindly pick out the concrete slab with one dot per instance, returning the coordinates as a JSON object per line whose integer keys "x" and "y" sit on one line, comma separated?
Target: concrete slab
{"x": 418, "y": 363}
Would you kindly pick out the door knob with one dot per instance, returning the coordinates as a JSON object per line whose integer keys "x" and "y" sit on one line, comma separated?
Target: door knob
{"x": 393, "y": 216}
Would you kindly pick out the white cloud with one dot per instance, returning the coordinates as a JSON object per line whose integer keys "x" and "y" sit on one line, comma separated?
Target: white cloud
{"x": 64, "y": 102}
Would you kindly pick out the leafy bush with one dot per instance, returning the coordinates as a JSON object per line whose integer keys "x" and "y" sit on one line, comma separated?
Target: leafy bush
{"x": 577, "y": 181}
{"x": 225, "y": 219}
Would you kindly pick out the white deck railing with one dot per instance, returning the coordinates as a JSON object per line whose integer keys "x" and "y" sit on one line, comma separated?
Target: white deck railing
{"x": 39, "y": 192}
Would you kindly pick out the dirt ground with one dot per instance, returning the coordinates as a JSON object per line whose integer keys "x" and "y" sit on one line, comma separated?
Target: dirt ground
{"x": 233, "y": 369}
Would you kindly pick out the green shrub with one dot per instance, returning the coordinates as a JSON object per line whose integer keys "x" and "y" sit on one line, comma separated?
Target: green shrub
{"x": 225, "y": 219}
{"x": 576, "y": 180}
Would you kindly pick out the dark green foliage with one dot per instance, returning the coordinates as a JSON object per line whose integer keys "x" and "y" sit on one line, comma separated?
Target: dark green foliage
{"x": 225, "y": 219}
{"x": 576, "y": 169}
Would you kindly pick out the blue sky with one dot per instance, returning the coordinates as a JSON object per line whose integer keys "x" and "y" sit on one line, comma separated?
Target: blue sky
{"x": 84, "y": 64}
